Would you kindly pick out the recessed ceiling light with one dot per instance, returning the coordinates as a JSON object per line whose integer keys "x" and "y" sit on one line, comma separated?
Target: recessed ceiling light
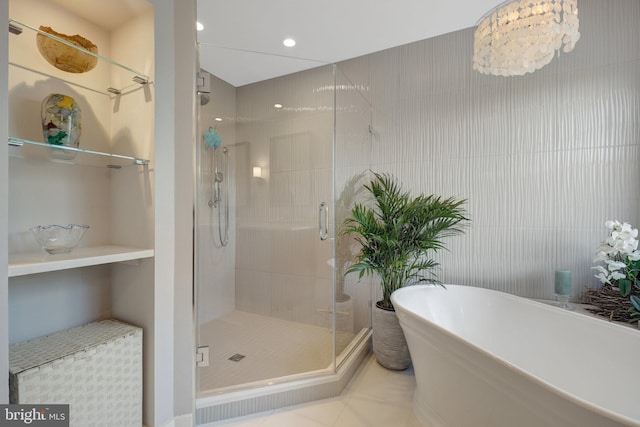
{"x": 277, "y": 105}
{"x": 199, "y": 26}
{"x": 289, "y": 42}
{"x": 218, "y": 119}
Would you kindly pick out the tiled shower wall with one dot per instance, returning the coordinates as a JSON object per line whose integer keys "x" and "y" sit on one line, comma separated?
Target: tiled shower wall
{"x": 215, "y": 272}
{"x": 543, "y": 160}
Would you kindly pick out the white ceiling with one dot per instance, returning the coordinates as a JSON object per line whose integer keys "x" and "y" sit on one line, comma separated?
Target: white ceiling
{"x": 105, "y": 14}
{"x": 242, "y": 39}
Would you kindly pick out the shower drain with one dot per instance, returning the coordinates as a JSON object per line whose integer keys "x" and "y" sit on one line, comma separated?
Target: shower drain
{"x": 236, "y": 357}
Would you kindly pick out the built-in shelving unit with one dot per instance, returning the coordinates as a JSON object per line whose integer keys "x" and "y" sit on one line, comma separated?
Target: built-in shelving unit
{"x": 22, "y": 264}
{"x": 112, "y": 273}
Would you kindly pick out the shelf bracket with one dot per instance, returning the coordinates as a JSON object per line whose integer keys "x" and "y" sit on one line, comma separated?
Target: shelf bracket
{"x": 15, "y": 143}
{"x": 138, "y": 161}
{"x": 14, "y": 29}
{"x": 141, "y": 80}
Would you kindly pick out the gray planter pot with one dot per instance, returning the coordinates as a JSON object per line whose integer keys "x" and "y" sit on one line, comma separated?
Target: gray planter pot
{"x": 389, "y": 344}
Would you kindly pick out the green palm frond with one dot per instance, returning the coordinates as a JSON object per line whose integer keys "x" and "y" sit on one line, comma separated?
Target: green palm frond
{"x": 397, "y": 233}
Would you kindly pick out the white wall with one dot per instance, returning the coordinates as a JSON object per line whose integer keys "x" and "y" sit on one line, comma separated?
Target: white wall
{"x": 164, "y": 268}
{"x": 175, "y": 124}
{"x": 133, "y": 190}
{"x": 183, "y": 329}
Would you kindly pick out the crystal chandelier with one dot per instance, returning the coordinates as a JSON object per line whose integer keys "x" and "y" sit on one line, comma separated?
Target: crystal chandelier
{"x": 521, "y": 36}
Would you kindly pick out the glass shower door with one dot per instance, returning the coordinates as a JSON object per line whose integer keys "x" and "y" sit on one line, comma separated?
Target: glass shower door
{"x": 265, "y": 299}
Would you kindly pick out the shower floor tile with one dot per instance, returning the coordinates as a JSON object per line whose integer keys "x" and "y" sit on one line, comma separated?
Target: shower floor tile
{"x": 246, "y": 347}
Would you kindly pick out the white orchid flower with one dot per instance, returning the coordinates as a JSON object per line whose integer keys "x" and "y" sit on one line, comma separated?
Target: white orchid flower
{"x": 616, "y": 275}
{"x": 634, "y": 256}
{"x": 601, "y": 269}
{"x": 611, "y": 224}
{"x": 625, "y": 238}
{"x": 617, "y": 253}
{"x": 603, "y": 278}
{"x": 604, "y": 247}
{"x": 615, "y": 265}
{"x": 600, "y": 256}
{"x": 627, "y": 228}
{"x": 629, "y": 246}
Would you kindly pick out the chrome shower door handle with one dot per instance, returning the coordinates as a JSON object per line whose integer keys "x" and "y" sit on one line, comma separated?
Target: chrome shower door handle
{"x": 323, "y": 221}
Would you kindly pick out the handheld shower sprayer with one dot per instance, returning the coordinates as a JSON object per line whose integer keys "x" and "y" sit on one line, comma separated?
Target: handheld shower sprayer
{"x": 217, "y": 197}
{"x": 212, "y": 141}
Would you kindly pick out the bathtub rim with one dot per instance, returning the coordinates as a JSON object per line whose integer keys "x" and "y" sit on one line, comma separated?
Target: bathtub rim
{"x": 615, "y": 416}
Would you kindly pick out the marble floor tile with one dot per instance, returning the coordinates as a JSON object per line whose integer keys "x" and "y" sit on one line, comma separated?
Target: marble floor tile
{"x": 375, "y": 397}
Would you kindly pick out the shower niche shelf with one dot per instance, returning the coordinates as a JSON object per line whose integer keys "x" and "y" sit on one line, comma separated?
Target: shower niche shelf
{"x": 17, "y": 28}
{"x": 83, "y": 156}
{"x": 22, "y": 264}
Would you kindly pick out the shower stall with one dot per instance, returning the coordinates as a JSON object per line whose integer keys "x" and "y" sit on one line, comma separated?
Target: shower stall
{"x": 280, "y": 163}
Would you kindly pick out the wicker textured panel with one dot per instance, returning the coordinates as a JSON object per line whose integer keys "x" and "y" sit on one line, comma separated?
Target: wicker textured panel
{"x": 95, "y": 368}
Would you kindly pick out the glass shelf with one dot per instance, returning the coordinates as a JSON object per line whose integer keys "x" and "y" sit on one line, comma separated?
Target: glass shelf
{"x": 16, "y": 27}
{"x": 23, "y": 264}
{"x": 83, "y": 157}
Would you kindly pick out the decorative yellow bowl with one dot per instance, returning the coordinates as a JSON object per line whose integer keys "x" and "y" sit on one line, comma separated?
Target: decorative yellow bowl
{"x": 65, "y": 57}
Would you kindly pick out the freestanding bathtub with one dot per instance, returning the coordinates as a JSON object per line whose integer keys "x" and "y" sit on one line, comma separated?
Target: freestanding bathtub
{"x": 484, "y": 358}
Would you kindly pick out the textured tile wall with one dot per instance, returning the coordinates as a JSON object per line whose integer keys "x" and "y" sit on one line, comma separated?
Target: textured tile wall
{"x": 544, "y": 159}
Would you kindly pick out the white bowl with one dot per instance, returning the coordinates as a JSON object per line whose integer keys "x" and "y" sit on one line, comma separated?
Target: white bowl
{"x": 57, "y": 239}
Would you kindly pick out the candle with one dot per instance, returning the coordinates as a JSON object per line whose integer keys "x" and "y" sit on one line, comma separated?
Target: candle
{"x": 563, "y": 282}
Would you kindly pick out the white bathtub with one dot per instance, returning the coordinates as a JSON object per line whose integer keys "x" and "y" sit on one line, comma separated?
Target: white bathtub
{"x": 487, "y": 358}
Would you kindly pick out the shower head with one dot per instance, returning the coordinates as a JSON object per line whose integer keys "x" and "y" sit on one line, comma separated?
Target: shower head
{"x": 204, "y": 98}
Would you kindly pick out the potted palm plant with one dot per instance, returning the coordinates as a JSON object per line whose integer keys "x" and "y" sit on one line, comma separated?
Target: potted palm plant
{"x": 397, "y": 234}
